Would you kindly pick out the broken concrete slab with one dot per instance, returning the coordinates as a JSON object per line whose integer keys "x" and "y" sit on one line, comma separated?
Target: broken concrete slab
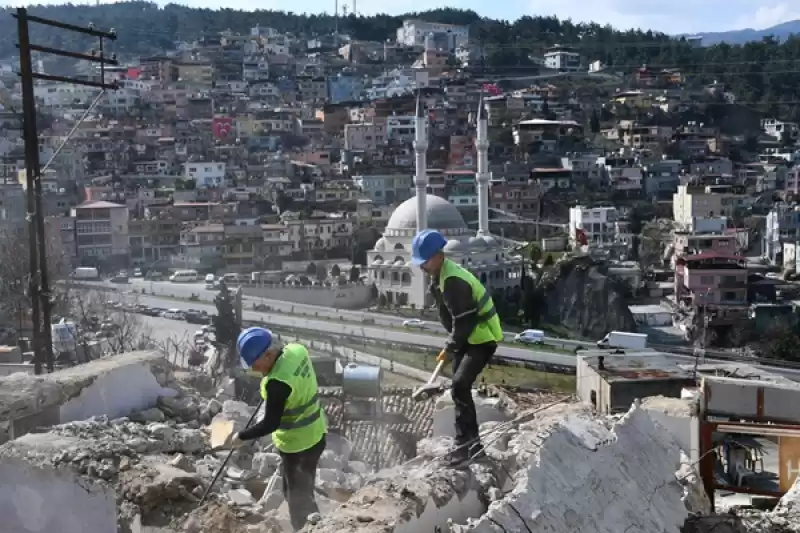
{"x": 115, "y": 387}
{"x": 487, "y": 409}
{"x": 584, "y": 474}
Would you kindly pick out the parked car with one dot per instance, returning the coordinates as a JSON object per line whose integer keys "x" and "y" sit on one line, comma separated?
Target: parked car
{"x": 197, "y": 317}
{"x": 415, "y": 323}
{"x": 173, "y": 314}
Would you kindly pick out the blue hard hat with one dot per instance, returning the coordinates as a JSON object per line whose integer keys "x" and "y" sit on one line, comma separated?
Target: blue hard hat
{"x": 252, "y": 343}
{"x": 425, "y": 245}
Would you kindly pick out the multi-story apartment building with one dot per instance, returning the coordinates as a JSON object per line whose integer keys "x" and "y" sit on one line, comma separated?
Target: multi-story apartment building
{"x": 714, "y": 284}
{"x": 716, "y": 239}
{"x": 600, "y": 224}
{"x": 562, "y": 58}
{"x": 153, "y": 240}
{"x": 209, "y": 174}
{"x": 782, "y": 225}
{"x": 202, "y": 246}
{"x": 704, "y": 201}
{"x": 101, "y": 235}
{"x": 414, "y": 32}
{"x": 365, "y": 137}
{"x": 323, "y": 233}
{"x": 777, "y": 129}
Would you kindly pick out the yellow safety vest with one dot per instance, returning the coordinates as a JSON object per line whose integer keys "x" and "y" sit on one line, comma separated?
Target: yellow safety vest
{"x": 303, "y": 423}
{"x": 488, "y": 328}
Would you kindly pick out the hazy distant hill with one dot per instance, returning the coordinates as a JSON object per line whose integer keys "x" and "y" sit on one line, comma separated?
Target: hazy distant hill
{"x": 780, "y": 32}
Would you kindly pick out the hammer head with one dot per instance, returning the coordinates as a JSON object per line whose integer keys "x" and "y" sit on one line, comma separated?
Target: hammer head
{"x": 426, "y": 391}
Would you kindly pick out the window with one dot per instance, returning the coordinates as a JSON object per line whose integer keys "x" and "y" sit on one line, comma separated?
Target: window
{"x": 706, "y": 280}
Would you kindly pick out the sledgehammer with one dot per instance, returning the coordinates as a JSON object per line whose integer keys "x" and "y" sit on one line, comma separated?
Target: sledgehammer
{"x": 431, "y": 386}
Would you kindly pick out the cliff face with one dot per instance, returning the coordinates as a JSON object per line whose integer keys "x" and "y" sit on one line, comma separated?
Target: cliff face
{"x": 579, "y": 294}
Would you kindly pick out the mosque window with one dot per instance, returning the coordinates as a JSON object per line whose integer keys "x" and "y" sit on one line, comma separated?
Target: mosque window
{"x": 395, "y": 276}
{"x": 406, "y": 278}
{"x": 398, "y": 246}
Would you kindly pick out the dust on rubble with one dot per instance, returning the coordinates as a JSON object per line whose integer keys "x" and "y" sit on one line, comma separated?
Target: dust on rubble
{"x": 219, "y": 517}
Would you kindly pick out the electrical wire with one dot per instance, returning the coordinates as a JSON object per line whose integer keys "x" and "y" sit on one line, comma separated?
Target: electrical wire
{"x": 73, "y": 130}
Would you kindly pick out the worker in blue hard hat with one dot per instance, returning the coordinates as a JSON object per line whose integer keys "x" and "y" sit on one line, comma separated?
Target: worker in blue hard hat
{"x": 468, "y": 313}
{"x": 293, "y": 415}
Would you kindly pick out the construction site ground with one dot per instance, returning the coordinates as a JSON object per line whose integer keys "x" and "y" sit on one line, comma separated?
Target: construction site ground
{"x": 125, "y": 445}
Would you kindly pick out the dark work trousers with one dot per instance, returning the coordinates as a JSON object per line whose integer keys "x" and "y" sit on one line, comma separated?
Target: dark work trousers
{"x": 299, "y": 473}
{"x": 466, "y": 368}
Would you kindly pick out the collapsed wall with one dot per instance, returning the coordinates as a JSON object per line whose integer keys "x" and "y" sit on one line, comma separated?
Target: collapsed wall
{"x": 583, "y": 474}
{"x": 113, "y": 386}
{"x": 564, "y": 471}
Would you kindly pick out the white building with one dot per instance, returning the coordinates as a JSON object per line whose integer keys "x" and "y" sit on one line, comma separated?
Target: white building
{"x": 600, "y": 224}
{"x": 389, "y": 263}
{"x": 562, "y": 58}
{"x": 413, "y": 32}
{"x": 776, "y": 128}
{"x": 208, "y": 175}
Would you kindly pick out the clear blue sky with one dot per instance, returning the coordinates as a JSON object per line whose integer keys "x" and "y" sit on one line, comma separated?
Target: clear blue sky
{"x": 671, "y": 16}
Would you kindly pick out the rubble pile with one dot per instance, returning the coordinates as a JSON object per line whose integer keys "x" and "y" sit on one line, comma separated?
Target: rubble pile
{"x": 556, "y": 467}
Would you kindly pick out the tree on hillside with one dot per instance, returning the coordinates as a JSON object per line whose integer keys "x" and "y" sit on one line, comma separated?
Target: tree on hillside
{"x": 594, "y": 122}
{"x": 225, "y": 323}
{"x": 335, "y": 271}
{"x": 355, "y": 274}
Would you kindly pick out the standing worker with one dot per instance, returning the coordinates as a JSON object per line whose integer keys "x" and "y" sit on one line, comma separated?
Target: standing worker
{"x": 468, "y": 314}
{"x": 293, "y": 415}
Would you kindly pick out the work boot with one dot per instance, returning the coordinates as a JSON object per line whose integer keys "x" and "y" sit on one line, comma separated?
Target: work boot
{"x": 477, "y": 453}
{"x": 457, "y": 458}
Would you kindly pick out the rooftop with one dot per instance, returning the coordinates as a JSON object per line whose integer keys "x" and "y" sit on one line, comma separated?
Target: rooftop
{"x": 635, "y": 366}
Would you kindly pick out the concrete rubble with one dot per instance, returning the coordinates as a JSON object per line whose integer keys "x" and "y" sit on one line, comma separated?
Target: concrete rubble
{"x": 559, "y": 469}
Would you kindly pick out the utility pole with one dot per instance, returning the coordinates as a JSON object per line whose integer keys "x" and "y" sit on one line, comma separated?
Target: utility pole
{"x": 39, "y": 282}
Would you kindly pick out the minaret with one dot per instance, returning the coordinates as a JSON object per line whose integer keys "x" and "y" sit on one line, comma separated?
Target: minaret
{"x": 483, "y": 176}
{"x": 421, "y": 174}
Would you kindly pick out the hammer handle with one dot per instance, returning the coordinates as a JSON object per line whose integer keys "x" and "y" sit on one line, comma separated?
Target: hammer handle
{"x": 436, "y": 371}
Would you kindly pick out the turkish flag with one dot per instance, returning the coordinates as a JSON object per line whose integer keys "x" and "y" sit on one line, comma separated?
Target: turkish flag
{"x": 580, "y": 237}
{"x": 221, "y": 126}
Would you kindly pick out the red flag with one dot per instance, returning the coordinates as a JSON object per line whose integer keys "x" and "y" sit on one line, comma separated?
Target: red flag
{"x": 221, "y": 126}
{"x": 580, "y": 237}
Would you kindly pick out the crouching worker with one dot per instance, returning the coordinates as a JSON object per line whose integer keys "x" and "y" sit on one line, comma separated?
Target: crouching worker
{"x": 293, "y": 415}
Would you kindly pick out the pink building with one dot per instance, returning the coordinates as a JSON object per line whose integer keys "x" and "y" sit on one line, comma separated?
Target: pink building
{"x": 715, "y": 282}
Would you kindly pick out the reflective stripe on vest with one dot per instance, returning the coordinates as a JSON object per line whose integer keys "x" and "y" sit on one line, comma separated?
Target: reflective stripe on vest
{"x": 488, "y": 328}
{"x": 289, "y": 420}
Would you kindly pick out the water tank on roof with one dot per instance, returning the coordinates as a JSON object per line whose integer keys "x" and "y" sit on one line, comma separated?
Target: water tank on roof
{"x": 362, "y": 381}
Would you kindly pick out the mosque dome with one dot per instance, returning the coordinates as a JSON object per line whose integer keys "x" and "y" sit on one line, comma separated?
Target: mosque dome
{"x": 442, "y": 215}
{"x": 477, "y": 242}
{"x": 454, "y": 245}
{"x": 382, "y": 245}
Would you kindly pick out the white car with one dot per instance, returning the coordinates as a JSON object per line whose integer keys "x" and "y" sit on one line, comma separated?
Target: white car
{"x": 530, "y": 336}
{"x": 415, "y": 323}
{"x": 174, "y": 314}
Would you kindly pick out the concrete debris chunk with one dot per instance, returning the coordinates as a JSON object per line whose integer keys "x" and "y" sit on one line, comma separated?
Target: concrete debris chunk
{"x": 581, "y": 475}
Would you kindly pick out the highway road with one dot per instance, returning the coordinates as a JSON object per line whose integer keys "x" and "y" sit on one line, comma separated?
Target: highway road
{"x": 185, "y": 290}
{"x": 351, "y": 324}
{"x": 336, "y": 327}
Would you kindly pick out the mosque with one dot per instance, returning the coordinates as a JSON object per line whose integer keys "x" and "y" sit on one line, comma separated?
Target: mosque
{"x": 389, "y": 263}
